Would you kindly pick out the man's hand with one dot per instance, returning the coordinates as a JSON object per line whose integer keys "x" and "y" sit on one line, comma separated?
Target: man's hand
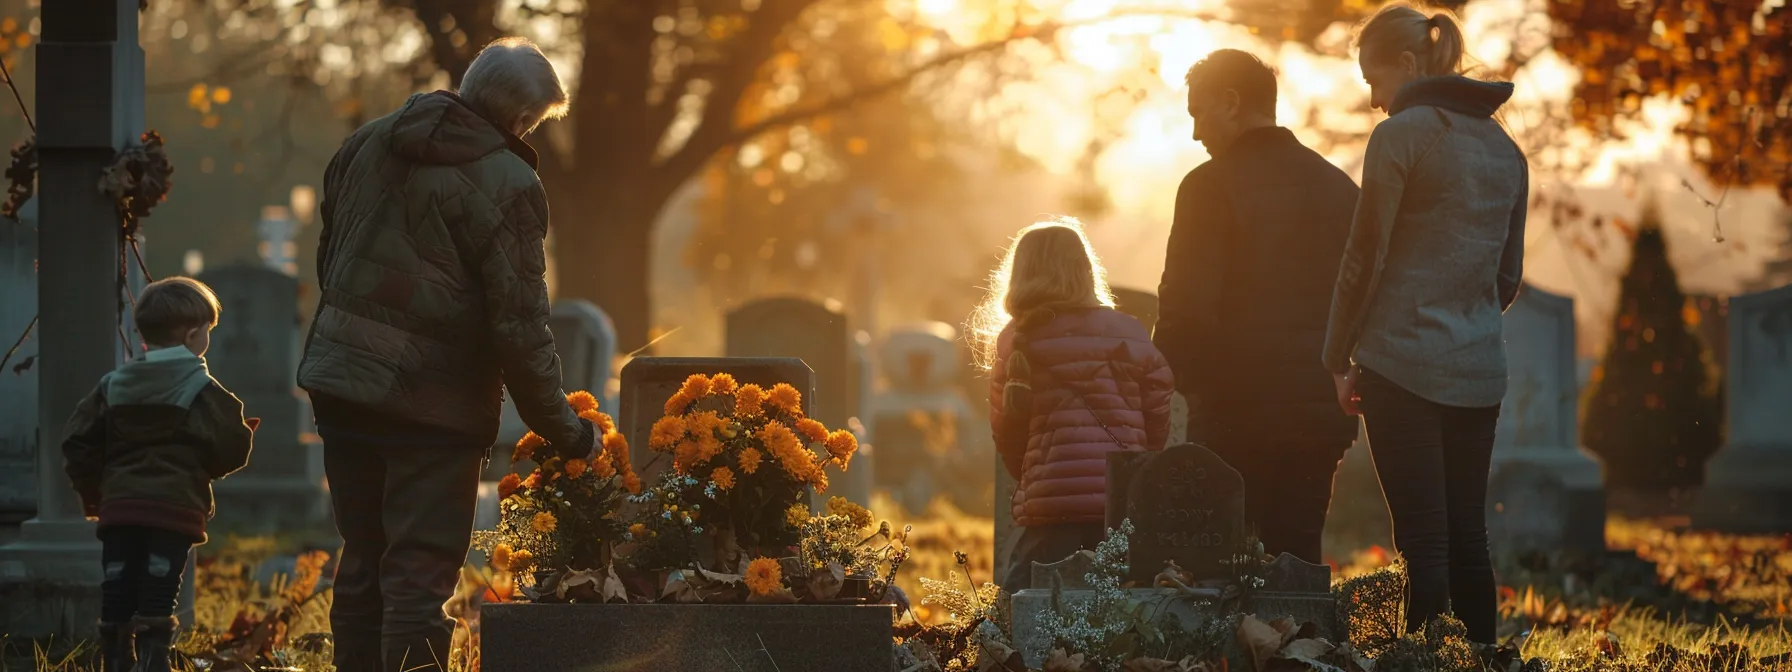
{"x": 590, "y": 439}
{"x": 1347, "y": 396}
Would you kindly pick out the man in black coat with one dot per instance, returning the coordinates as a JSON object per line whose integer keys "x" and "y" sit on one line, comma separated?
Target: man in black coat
{"x": 1246, "y": 292}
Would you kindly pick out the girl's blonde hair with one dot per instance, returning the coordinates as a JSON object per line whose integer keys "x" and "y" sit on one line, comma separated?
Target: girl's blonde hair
{"x": 1435, "y": 40}
{"x": 1050, "y": 266}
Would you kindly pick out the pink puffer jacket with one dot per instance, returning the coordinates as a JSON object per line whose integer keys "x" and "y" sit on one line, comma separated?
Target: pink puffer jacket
{"x": 1091, "y": 367}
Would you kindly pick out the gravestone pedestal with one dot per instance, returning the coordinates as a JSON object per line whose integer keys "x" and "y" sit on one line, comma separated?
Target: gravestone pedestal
{"x": 738, "y": 637}
{"x": 1544, "y": 491}
{"x": 1748, "y": 484}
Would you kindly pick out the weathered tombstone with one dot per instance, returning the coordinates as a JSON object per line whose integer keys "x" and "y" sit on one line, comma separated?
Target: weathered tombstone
{"x": 1544, "y": 491}
{"x": 1137, "y": 303}
{"x": 1186, "y": 506}
{"x": 585, "y": 338}
{"x": 49, "y": 576}
{"x": 928, "y": 440}
{"x": 18, "y": 378}
{"x": 817, "y": 334}
{"x": 1748, "y": 484}
{"x": 648, "y": 381}
{"x": 254, "y": 353}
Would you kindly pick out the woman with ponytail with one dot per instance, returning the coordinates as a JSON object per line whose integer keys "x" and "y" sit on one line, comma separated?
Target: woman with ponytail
{"x": 1435, "y": 254}
{"x": 1071, "y": 379}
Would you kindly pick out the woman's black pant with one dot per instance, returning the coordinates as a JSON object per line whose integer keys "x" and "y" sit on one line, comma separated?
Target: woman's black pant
{"x": 1433, "y": 462}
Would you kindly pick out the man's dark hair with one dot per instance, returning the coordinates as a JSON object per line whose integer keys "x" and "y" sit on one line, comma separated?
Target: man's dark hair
{"x": 1239, "y": 71}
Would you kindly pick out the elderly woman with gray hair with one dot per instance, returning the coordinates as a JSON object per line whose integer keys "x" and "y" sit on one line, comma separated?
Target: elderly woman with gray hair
{"x": 434, "y": 303}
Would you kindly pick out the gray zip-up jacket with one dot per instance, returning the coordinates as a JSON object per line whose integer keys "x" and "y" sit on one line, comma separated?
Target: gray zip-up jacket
{"x": 1436, "y": 250}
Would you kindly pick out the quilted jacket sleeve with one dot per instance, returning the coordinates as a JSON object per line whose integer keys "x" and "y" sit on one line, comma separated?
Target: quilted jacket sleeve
{"x": 84, "y": 448}
{"x": 1012, "y": 449}
{"x": 218, "y": 415}
{"x": 514, "y": 267}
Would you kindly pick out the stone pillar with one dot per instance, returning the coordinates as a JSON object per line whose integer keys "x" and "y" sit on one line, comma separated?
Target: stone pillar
{"x": 1748, "y": 483}
{"x": 49, "y": 577}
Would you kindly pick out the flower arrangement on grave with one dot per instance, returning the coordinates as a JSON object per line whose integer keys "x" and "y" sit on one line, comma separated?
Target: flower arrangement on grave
{"x": 564, "y": 515}
{"x": 742, "y": 456}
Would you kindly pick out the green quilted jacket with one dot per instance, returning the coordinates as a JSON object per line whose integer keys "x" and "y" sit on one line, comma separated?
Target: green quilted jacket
{"x": 434, "y": 277}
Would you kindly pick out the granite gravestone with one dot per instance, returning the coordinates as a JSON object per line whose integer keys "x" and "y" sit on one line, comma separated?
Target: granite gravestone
{"x": 1186, "y": 505}
{"x": 18, "y": 378}
{"x": 254, "y": 354}
{"x": 1544, "y": 491}
{"x": 736, "y": 637}
{"x": 585, "y": 339}
{"x": 1748, "y": 484}
{"x": 817, "y": 334}
{"x": 647, "y": 382}
{"x": 1137, "y": 303}
{"x": 927, "y": 440}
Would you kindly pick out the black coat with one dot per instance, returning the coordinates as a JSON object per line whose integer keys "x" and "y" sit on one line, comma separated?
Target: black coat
{"x": 1247, "y": 290}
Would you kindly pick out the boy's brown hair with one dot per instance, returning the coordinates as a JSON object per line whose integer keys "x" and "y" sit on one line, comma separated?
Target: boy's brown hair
{"x": 171, "y": 306}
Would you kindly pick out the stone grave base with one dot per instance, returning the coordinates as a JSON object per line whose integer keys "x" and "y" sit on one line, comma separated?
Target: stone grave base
{"x": 1031, "y": 604}
{"x": 739, "y": 637}
{"x": 1748, "y": 490}
{"x": 49, "y": 609}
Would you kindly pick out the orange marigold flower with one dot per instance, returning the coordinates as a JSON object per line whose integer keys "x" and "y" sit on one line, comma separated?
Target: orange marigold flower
{"x": 747, "y": 401}
{"x": 602, "y": 466}
{"x": 819, "y": 481}
{"x": 708, "y": 447}
{"x": 544, "y": 522}
{"x": 520, "y": 560}
{"x": 841, "y": 446}
{"x": 723, "y": 477}
{"x": 812, "y": 430}
{"x": 616, "y": 446}
{"x": 637, "y": 530}
{"x": 500, "y": 559}
{"x": 508, "y": 486}
{"x": 749, "y": 459}
{"x": 533, "y": 481}
{"x": 575, "y": 467}
{"x": 786, "y": 398}
{"x": 696, "y": 387}
{"x": 705, "y": 423}
{"x": 632, "y": 482}
{"x": 685, "y": 457}
{"x": 600, "y": 420}
{"x": 722, "y": 383}
{"x": 582, "y": 401}
{"x": 678, "y": 403}
{"x": 786, "y": 449}
{"x": 526, "y": 446}
{"x": 764, "y": 577}
{"x": 666, "y": 433}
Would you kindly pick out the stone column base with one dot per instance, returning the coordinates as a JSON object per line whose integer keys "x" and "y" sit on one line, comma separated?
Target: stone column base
{"x": 1748, "y": 489}
{"x": 50, "y": 580}
{"x": 1546, "y": 498}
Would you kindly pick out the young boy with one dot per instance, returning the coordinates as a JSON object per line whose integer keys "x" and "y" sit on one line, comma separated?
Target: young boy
{"x": 142, "y": 450}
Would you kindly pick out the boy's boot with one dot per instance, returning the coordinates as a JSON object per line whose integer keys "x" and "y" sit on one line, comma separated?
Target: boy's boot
{"x": 155, "y": 641}
{"x": 117, "y": 647}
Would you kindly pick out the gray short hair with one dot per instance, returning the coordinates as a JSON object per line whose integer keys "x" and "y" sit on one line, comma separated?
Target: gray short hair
{"x": 511, "y": 79}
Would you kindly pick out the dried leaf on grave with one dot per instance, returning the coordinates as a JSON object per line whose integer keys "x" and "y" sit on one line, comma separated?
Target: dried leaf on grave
{"x": 1260, "y": 641}
{"x": 581, "y": 585}
{"x": 679, "y": 588}
{"x": 1062, "y": 661}
{"x": 1307, "y": 648}
{"x": 783, "y": 596}
{"x": 996, "y": 656}
{"x": 612, "y": 586}
{"x": 1190, "y": 664}
{"x": 825, "y": 583}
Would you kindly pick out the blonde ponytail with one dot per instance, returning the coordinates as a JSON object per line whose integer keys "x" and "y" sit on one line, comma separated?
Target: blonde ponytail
{"x": 1435, "y": 41}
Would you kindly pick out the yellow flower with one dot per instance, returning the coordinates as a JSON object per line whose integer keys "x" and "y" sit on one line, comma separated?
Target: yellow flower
{"x": 812, "y": 430}
{"x": 575, "y": 467}
{"x": 501, "y": 557}
{"x": 786, "y": 398}
{"x": 841, "y": 506}
{"x": 841, "y": 446}
{"x": 749, "y": 460}
{"x": 544, "y": 522}
{"x": 677, "y": 404}
{"x": 764, "y": 577}
{"x": 723, "y": 478}
{"x": 582, "y": 401}
{"x": 722, "y": 383}
{"x": 637, "y": 530}
{"x": 796, "y": 515}
{"x": 520, "y": 560}
{"x": 525, "y": 447}
{"x": 747, "y": 401}
{"x": 666, "y": 433}
{"x": 696, "y": 387}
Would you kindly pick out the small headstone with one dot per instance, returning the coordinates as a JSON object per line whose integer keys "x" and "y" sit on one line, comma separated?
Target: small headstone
{"x": 1138, "y": 303}
{"x": 1552, "y": 497}
{"x": 817, "y": 334}
{"x": 1186, "y": 505}
{"x": 1748, "y": 483}
{"x": 648, "y": 381}
{"x": 254, "y": 354}
{"x": 928, "y": 439}
{"x": 18, "y": 380}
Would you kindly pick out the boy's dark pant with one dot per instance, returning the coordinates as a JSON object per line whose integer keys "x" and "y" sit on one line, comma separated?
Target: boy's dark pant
{"x": 143, "y": 567}
{"x": 1433, "y": 462}
{"x": 1047, "y": 544}
{"x": 1288, "y": 489}
{"x": 404, "y": 502}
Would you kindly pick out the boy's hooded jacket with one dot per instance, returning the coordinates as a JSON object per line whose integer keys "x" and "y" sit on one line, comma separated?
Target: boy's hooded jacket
{"x": 145, "y": 445}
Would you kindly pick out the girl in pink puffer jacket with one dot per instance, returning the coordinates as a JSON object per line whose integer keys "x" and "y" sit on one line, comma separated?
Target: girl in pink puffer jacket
{"x": 1071, "y": 379}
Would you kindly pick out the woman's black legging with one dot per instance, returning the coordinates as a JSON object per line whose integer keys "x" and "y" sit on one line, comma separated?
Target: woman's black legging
{"x": 1433, "y": 462}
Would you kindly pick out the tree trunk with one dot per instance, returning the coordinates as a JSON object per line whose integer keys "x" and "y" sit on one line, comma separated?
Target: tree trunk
{"x": 603, "y": 230}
